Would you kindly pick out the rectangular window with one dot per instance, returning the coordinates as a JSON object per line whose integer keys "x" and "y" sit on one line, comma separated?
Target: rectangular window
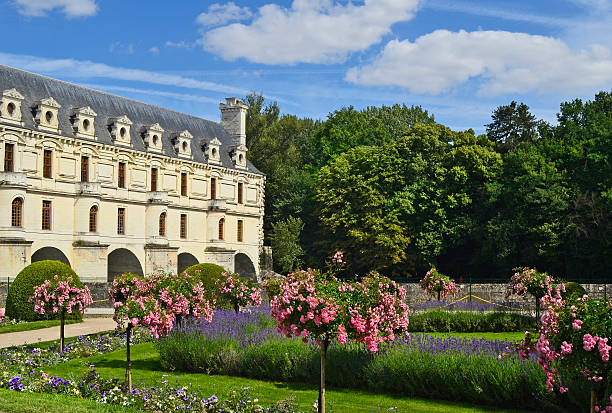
{"x": 9, "y": 156}
{"x": 84, "y": 169}
{"x": 183, "y": 225}
{"x": 240, "y": 189}
{"x": 153, "y": 179}
{"x": 47, "y": 163}
{"x": 183, "y": 184}
{"x": 240, "y": 229}
{"x": 46, "y": 215}
{"x": 121, "y": 175}
{"x": 121, "y": 221}
{"x": 213, "y": 188}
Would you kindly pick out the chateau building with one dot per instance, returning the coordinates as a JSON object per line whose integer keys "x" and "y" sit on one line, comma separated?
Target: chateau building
{"x": 108, "y": 184}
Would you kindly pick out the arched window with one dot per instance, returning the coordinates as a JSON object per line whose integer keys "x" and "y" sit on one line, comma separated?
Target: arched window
{"x": 221, "y": 229}
{"x": 16, "y": 212}
{"x": 162, "y": 224}
{"x": 93, "y": 219}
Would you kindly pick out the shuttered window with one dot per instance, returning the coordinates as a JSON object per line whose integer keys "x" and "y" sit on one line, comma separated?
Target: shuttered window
{"x": 9, "y": 156}
{"x": 121, "y": 175}
{"x": 47, "y": 163}
{"x": 84, "y": 169}
{"x": 240, "y": 230}
{"x": 46, "y": 215}
{"x": 183, "y": 225}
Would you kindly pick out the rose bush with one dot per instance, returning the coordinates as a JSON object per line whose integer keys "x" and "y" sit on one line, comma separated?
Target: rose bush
{"x": 61, "y": 295}
{"x": 437, "y": 284}
{"x": 239, "y": 292}
{"x": 320, "y": 307}
{"x": 572, "y": 347}
{"x": 529, "y": 280}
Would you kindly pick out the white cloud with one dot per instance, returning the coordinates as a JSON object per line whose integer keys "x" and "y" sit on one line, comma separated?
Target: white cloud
{"x": 71, "y": 8}
{"x": 84, "y": 69}
{"x": 311, "y": 31}
{"x": 180, "y": 45}
{"x": 152, "y": 92}
{"x": 121, "y": 48}
{"x": 503, "y": 62}
{"x": 154, "y": 50}
{"x": 219, "y": 14}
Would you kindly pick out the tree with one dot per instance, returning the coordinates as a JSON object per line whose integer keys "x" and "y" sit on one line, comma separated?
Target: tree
{"x": 61, "y": 295}
{"x": 155, "y": 302}
{"x": 286, "y": 246}
{"x": 319, "y": 307}
{"x": 238, "y": 291}
{"x": 512, "y": 125}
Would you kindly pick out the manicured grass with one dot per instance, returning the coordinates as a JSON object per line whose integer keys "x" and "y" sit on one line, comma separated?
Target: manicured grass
{"x": 18, "y": 402}
{"x": 147, "y": 369}
{"x": 33, "y": 325}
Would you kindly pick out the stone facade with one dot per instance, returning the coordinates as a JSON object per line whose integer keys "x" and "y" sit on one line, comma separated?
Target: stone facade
{"x": 110, "y": 185}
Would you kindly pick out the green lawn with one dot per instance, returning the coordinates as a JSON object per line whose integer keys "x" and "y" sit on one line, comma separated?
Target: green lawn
{"x": 33, "y": 325}
{"x": 17, "y": 402}
{"x": 147, "y": 369}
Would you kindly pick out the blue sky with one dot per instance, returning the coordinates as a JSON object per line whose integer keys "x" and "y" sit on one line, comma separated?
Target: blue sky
{"x": 458, "y": 59}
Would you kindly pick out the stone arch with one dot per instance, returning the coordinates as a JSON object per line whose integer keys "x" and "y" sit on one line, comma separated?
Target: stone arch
{"x": 50, "y": 253}
{"x": 243, "y": 265}
{"x": 186, "y": 260}
{"x": 122, "y": 260}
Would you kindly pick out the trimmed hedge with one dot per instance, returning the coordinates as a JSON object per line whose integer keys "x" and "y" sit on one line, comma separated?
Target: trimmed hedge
{"x": 573, "y": 289}
{"x": 17, "y": 304}
{"x": 209, "y": 274}
{"x": 438, "y": 321}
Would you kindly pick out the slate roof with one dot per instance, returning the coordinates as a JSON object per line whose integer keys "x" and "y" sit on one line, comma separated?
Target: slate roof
{"x": 35, "y": 87}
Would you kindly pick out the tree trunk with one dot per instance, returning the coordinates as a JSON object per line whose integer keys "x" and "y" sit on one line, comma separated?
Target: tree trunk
{"x": 128, "y": 363}
{"x": 236, "y": 308}
{"x": 592, "y": 401}
{"x": 438, "y": 295}
{"x": 324, "y": 345}
{"x": 62, "y": 316}
{"x": 537, "y": 300}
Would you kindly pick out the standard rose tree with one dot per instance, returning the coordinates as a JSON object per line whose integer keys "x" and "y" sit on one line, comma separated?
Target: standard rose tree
{"x": 155, "y": 303}
{"x": 437, "y": 284}
{"x": 238, "y": 291}
{"x": 319, "y": 307}
{"x": 61, "y": 295}
{"x": 573, "y": 345}
{"x": 529, "y": 280}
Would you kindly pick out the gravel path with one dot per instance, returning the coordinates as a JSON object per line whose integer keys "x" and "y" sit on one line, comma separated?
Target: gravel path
{"x": 88, "y": 326}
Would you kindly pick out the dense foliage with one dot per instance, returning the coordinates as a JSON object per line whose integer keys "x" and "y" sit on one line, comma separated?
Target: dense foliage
{"x": 18, "y": 303}
{"x": 400, "y": 194}
{"x": 469, "y": 321}
{"x": 209, "y": 274}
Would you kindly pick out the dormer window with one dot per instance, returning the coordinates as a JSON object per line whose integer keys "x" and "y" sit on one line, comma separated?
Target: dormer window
{"x": 182, "y": 143}
{"x": 120, "y": 130}
{"x": 10, "y": 106}
{"x": 46, "y": 114}
{"x": 238, "y": 156}
{"x": 82, "y": 122}
{"x": 152, "y": 136}
{"x": 213, "y": 151}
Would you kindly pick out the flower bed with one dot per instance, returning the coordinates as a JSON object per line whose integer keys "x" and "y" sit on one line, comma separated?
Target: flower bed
{"x": 247, "y": 344}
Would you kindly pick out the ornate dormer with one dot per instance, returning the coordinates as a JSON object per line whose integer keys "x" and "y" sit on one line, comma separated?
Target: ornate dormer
{"x": 214, "y": 154}
{"x": 10, "y": 106}
{"x": 238, "y": 155}
{"x": 83, "y": 122}
{"x": 119, "y": 129}
{"x": 46, "y": 114}
{"x": 152, "y": 136}
{"x": 182, "y": 143}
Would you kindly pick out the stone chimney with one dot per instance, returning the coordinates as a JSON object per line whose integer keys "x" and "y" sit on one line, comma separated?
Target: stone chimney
{"x": 233, "y": 119}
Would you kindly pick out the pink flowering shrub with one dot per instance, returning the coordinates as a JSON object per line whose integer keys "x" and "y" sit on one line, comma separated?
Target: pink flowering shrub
{"x": 529, "y": 280}
{"x": 319, "y": 307}
{"x": 437, "y": 284}
{"x": 573, "y": 348}
{"x": 61, "y": 294}
{"x": 239, "y": 292}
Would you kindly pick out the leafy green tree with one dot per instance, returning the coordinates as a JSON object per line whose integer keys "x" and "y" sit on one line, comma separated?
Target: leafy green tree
{"x": 512, "y": 124}
{"x": 286, "y": 248}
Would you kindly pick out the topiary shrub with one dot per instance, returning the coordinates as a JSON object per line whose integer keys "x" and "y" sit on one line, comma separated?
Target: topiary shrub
{"x": 209, "y": 274}
{"x": 573, "y": 289}
{"x": 18, "y": 305}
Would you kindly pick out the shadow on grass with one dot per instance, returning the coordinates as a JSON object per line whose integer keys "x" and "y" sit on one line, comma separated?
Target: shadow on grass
{"x": 147, "y": 364}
